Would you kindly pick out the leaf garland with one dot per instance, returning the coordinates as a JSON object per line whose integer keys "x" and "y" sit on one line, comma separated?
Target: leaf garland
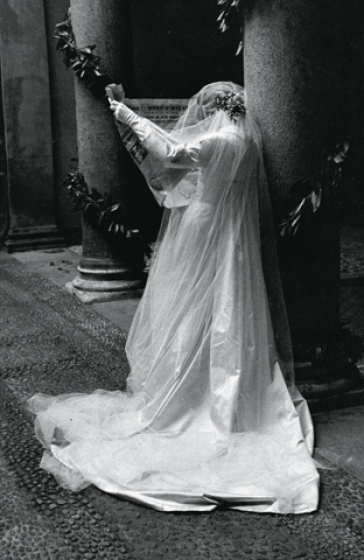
{"x": 97, "y": 208}
{"x": 82, "y": 61}
{"x": 312, "y": 186}
{"x": 226, "y": 8}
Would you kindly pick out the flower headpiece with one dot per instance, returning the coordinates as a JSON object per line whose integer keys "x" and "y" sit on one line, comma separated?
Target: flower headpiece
{"x": 232, "y": 103}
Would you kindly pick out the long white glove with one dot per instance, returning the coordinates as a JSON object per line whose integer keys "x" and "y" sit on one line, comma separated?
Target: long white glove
{"x": 171, "y": 154}
{"x": 126, "y": 116}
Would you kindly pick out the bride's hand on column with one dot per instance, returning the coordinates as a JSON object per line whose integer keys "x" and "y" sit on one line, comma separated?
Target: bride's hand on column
{"x": 119, "y": 109}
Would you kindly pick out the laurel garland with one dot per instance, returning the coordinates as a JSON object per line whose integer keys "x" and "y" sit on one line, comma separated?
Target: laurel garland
{"x": 84, "y": 63}
{"x": 98, "y": 208}
{"x": 226, "y": 8}
{"x": 312, "y": 186}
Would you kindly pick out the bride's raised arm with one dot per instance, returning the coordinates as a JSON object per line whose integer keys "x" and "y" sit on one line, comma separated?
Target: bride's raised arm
{"x": 159, "y": 143}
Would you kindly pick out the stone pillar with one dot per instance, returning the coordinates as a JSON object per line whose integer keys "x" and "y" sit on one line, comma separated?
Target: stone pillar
{"x": 27, "y": 127}
{"x": 104, "y": 271}
{"x": 293, "y": 68}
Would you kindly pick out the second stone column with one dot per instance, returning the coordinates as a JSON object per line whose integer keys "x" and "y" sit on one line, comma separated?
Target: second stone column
{"x": 105, "y": 270}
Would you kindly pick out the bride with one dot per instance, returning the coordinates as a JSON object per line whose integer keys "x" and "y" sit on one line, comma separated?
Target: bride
{"x": 211, "y": 415}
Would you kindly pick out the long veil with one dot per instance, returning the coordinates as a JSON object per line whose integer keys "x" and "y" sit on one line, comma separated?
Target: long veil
{"x": 211, "y": 414}
{"x": 191, "y": 127}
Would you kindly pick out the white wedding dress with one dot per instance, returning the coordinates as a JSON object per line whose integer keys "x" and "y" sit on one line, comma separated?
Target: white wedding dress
{"x": 211, "y": 415}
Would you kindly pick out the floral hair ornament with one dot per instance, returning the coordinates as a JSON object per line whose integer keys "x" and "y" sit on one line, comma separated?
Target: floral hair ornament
{"x": 232, "y": 103}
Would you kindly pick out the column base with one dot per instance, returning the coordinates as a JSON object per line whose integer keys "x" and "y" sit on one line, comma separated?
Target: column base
{"x": 101, "y": 280}
{"x": 97, "y": 291}
{"x": 33, "y": 238}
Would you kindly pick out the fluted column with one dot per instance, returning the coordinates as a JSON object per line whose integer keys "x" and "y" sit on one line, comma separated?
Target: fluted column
{"x": 104, "y": 271}
{"x": 294, "y": 67}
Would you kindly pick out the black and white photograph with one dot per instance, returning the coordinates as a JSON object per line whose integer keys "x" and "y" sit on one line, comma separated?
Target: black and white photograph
{"x": 181, "y": 280}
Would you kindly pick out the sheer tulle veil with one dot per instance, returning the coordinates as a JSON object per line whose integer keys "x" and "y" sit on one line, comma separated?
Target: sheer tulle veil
{"x": 210, "y": 414}
{"x": 198, "y": 121}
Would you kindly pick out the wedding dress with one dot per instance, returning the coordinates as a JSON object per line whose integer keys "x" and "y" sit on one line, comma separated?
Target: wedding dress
{"x": 211, "y": 414}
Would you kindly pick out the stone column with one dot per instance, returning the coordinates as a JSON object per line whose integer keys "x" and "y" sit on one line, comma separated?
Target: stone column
{"x": 293, "y": 68}
{"x": 27, "y": 127}
{"x": 104, "y": 272}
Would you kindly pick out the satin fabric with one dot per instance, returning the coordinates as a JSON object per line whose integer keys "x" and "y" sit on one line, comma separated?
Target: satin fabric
{"x": 210, "y": 416}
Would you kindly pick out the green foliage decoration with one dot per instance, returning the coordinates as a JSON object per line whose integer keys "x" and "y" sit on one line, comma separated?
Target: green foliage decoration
{"x": 310, "y": 188}
{"x": 84, "y": 63}
{"x": 226, "y": 10}
{"x": 99, "y": 211}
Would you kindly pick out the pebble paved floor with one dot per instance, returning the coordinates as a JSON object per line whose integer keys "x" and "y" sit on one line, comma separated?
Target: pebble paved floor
{"x": 51, "y": 343}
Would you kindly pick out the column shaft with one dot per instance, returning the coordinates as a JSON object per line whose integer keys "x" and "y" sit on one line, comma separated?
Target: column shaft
{"x": 293, "y": 68}
{"x": 104, "y": 270}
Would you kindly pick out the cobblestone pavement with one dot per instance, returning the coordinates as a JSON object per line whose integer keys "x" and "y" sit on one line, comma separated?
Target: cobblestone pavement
{"x": 49, "y": 342}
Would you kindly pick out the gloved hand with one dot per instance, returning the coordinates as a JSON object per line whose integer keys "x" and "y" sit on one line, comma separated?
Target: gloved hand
{"x": 126, "y": 116}
{"x": 123, "y": 114}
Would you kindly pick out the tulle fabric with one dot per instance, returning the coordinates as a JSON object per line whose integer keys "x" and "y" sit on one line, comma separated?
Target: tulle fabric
{"x": 211, "y": 415}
